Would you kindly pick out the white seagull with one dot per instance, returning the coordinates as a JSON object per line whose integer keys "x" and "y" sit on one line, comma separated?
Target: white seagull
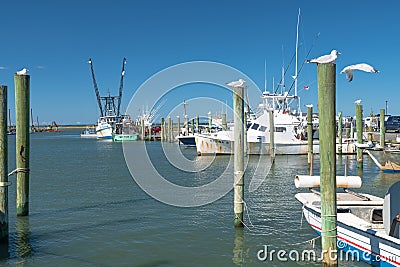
{"x": 362, "y": 66}
{"x": 357, "y": 102}
{"x": 238, "y": 83}
{"x": 326, "y": 58}
{"x": 22, "y": 72}
{"x": 309, "y": 105}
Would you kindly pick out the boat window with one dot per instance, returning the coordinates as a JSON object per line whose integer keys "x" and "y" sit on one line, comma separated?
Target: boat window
{"x": 255, "y": 126}
{"x": 343, "y": 210}
{"x": 249, "y": 125}
{"x": 280, "y": 129}
{"x": 262, "y": 128}
{"x": 376, "y": 216}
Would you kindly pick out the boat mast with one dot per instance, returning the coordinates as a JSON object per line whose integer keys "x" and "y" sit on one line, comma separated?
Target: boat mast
{"x": 295, "y": 74}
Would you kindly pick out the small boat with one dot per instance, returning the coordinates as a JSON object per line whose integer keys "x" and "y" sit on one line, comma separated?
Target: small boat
{"x": 367, "y": 226}
{"x": 125, "y": 137}
{"x": 89, "y": 133}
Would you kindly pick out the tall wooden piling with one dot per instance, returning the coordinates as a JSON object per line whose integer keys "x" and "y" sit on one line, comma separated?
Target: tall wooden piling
{"x": 382, "y": 127}
{"x": 22, "y": 107}
{"x": 197, "y": 123}
{"x": 209, "y": 122}
{"x": 169, "y": 132}
{"x": 162, "y": 129}
{"x": 271, "y": 135}
{"x": 164, "y": 126}
{"x": 340, "y": 133}
{"x": 326, "y": 102}
{"x": 192, "y": 126}
{"x": 143, "y": 130}
{"x": 359, "y": 129}
{"x": 224, "y": 125}
{"x": 238, "y": 107}
{"x": 309, "y": 135}
{"x": 4, "y": 165}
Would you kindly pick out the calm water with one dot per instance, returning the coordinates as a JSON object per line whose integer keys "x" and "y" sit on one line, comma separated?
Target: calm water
{"x": 86, "y": 210}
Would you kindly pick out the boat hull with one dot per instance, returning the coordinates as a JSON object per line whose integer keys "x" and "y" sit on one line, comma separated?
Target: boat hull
{"x": 189, "y": 141}
{"x": 359, "y": 245}
{"x": 104, "y": 131}
{"x": 125, "y": 137}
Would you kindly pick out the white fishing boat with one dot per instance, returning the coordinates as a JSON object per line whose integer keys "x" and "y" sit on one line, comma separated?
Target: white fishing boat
{"x": 367, "y": 225}
{"x": 105, "y": 126}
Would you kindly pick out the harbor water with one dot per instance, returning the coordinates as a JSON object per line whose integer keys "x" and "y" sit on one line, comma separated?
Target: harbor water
{"x": 87, "y": 210}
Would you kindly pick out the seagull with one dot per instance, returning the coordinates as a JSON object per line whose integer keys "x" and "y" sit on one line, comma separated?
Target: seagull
{"x": 362, "y": 66}
{"x": 357, "y": 102}
{"x": 22, "y": 72}
{"x": 309, "y": 105}
{"x": 326, "y": 58}
{"x": 236, "y": 83}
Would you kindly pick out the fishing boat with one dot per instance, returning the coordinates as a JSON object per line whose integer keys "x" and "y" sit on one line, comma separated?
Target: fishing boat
{"x": 104, "y": 128}
{"x": 367, "y": 225}
{"x": 187, "y": 140}
{"x": 125, "y": 137}
{"x": 89, "y": 133}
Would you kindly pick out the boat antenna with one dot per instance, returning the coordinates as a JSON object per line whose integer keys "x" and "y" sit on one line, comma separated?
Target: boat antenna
{"x": 283, "y": 72}
{"x": 297, "y": 47}
{"x": 265, "y": 75}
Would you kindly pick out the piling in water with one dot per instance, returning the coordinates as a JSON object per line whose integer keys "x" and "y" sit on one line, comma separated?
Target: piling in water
{"x": 359, "y": 129}
{"x": 165, "y": 130}
{"x": 169, "y": 132}
{"x": 179, "y": 125}
{"x": 143, "y": 130}
{"x": 4, "y": 165}
{"x": 224, "y": 125}
{"x": 382, "y": 127}
{"x": 162, "y": 129}
{"x": 186, "y": 123}
{"x": 309, "y": 136}
{"x": 326, "y": 102}
{"x": 238, "y": 108}
{"x": 340, "y": 133}
{"x": 197, "y": 123}
{"x": 209, "y": 122}
{"x": 271, "y": 135}
{"x": 22, "y": 90}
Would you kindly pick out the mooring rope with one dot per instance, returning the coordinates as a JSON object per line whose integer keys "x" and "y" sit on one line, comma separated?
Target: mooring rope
{"x": 17, "y": 170}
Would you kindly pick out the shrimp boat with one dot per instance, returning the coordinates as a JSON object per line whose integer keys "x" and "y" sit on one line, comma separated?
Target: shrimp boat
{"x": 367, "y": 226}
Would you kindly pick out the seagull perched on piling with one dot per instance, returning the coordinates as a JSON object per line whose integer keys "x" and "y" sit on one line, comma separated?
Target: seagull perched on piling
{"x": 22, "y": 72}
{"x": 238, "y": 83}
{"x": 325, "y": 58}
{"x": 309, "y": 105}
{"x": 357, "y": 102}
{"x": 361, "y": 66}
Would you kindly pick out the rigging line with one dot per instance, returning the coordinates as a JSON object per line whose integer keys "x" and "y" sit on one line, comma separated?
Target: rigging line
{"x": 287, "y": 68}
{"x": 302, "y": 65}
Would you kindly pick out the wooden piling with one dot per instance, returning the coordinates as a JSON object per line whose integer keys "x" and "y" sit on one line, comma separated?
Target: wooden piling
{"x": 186, "y": 122}
{"x": 209, "y": 122}
{"x": 197, "y": 123}
{"x": 382, "y": 127}
{"x": 326, "y": 102}
{"x": 165, "y": 130}
{"x": 162, "y": 130}
{"x": 224, "y": 125}
{"x": 22, "y": 107}
{"x": 143, "y": 130}
{"x": 359, "y": 129}
{"x": 4, "y": 165}
{"x": 192, "y": 126}
{"x": 169, "y": 132}
{"x": 310, "y": 136}
{"x": 238, "y": 103}
{"x": 340, "y": 133}
{"x": 271, "y": 135}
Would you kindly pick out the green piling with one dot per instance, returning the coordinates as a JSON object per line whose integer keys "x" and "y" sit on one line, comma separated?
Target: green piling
{"x": 309, "y": 135}
{"x": 22, "y": 107}
{"x": 359, "y": 129}
{"x": 4, "y": 165}
{"x": 186, "y": 122}
{"x": 340, "y": 133}
{"x": 224, "y": 125}
{"x": 326, "y": 102}
{"x": 382, "y": 127}
{"x": 197, "y": 123}
{"x": 271, "y": 135}
{"x": 238, "y": 103}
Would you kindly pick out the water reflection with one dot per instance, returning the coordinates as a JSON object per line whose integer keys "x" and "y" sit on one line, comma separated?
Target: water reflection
{"x": 23, "y": 246}
{"x": 238, "y": 249}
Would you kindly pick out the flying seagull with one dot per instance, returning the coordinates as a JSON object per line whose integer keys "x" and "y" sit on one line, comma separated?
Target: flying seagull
{"x": 357, "y": 102}
{"x": 238, "y": 83}
{"x": 326, "y": 58}
{"x": 362, "y": 66}
{"x": 22, "y": 72}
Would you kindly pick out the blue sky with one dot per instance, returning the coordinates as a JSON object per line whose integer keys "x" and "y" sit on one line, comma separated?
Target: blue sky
{"x": 54, "y": 40}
